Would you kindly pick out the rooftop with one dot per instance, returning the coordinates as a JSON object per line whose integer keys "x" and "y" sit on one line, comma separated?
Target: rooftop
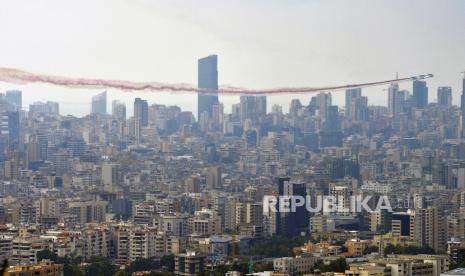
{"x": 457, "y": 271}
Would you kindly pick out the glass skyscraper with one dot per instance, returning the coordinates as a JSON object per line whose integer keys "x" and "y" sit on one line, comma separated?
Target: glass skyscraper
{"x": 208, "y": 80}
{"x": 141, "y": 111}
{"x": 99, "y": 103}
{"x": 445, "y": 96}
{"x": 14, "y": 98}
{"x": 420, "y": 94}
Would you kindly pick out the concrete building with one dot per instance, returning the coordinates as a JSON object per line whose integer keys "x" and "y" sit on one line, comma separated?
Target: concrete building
{"x": 43, "y": 268}
{"x": 110, "y": 176}
{"x": 141, "y": 112}
{"x": 291, "y": 265}
{"x": 88, "y": 211}
{"x": 189, "y": 264}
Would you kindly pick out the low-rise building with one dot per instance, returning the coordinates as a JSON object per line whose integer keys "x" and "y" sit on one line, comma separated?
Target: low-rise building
{"x": 43, "y": 268}
{"x": 299, "y": 264}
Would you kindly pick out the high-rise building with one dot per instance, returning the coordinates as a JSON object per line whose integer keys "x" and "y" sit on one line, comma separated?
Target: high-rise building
{"x": 402, "y": 224}
{"x": 261, "y": 106}
{"x": 295, "y": 106}
{"x": 99, "y": 104}
{"x": 189, "y": 264}
{"x": 462, "y": 105}
{"x": 9, "y": 125}
{"x": 381, "y": 220}
{"x": 351, "y": 96}
{"x": 214, "y": 178}
{"x": 32, "y": 153}
{"x": 420, "y": 94}
{"x": 403, "y": 100}
{"x": 76, "y": 146}
{"x": 361, "y": 109}
{"x": 109, "y": 176}
{"x": 291, "y": 224}
{"x": 42, "y": 140}
{"x": 44, "y": 108}
{"x": 323, "y": 101}
{"x": 14, "y": 98}
{"x": 192, "y": 184}
{"x": 393, "y": 98}
{"x": 218, "y": 116}
{"x": 445, "y": 96}
{"x": 248, "y": 108}
{"x": 332, "y": 122}
{"x": 118, "y": 110}
{"x": 427, "y": 228}
{"x": 11, "y": 169}
{"x": 88, "y": 211}
{"x": 207, "y": 80}
{"x": 60, "y": 161}
{"x": 141, "y": 112}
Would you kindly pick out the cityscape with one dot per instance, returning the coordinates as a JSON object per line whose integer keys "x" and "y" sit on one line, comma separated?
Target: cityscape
{"x": 302, "y": 185}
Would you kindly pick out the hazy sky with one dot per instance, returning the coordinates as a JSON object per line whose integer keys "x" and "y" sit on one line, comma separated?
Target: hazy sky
{"x": 260, "y": 44}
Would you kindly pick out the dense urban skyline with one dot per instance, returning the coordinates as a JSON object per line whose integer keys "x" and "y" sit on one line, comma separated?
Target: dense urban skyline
{"x": 325, "y": 43}
{"x": 368, "y": 180}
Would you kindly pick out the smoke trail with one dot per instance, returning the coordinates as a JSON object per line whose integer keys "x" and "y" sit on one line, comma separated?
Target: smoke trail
{"x": 12, "y": 75}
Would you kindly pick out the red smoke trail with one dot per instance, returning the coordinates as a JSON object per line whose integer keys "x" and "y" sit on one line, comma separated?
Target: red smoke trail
{"x": 11, "y": 75}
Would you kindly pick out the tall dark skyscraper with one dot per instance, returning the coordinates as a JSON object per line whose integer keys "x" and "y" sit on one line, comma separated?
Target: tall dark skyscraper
{"x": 207, "y": 79}
{"x": 291, "y": 224}
{"x": 141, "y": 112}
{"x": 445, "y": 96}
{"x": 420, "y": 94}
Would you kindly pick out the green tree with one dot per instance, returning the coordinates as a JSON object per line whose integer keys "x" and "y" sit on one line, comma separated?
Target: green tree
{"x": 339, "y": 265}
{"x": 167, "y": 262}
{"x": 241, "y": 267}
{"x": 100, "y": 266}
{"x": 155, "y": 273}
{"x": 407, "y": 250}
{"x": 46, "y": 254}
{"x": 121, "y": 273}
{"x": 277, "y": 246}
{"x": 370, "y": 249}
{"x": 143, "y": 264}
{"x": 263, "y": 266}
{"x": 72, "y": 270}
